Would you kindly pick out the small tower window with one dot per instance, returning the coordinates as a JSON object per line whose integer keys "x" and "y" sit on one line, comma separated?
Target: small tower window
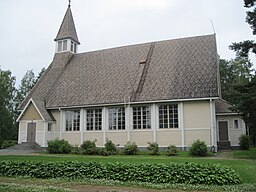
{"x": 72, "y": 46}
{"x": 59, "y": 46}
{"x": 65, "y": 45}
{"x": 75, "y": 48}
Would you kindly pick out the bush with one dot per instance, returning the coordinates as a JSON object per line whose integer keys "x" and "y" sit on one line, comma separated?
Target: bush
{"x": 59, "y": 146}
{"x": 172, "y": 150}
{"x": 186, "y": 173}
{"x": 198, "y": 148}
{"x": 110, "y": 147}
{"x": 89, "y": 147}
{"x": 131, "y": 148}
{"x": 104, "y": 152}
{"x": 153, "y": 148}
{"x": 76, "y": 149}
{"x": 8, "y": 143}
{"x": 244, "y": 142}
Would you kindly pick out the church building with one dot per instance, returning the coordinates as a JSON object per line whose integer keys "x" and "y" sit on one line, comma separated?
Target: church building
{"x": 166, "y": 92}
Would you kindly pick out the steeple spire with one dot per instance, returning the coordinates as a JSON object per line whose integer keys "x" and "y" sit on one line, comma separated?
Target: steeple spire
{"x": 67, "y": 34}
{"x": 69, "y": 2}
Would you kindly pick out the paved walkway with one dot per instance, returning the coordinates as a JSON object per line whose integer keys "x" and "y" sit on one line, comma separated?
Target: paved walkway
{"x": 16, "y": 152}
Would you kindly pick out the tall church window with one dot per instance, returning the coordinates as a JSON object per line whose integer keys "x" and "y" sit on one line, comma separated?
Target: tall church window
{"x": 141, "y": 117}
{"x": 93, "y": 119}
{"x": 72, "y": 120}
{"x": 168, "y": 116}
{"x": 116, "y": 118}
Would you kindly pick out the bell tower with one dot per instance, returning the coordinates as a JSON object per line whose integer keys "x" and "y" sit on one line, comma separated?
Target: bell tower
{"x": 66, "y": 39}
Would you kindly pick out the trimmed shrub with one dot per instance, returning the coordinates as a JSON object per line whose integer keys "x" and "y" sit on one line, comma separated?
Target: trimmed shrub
{"x": 198, "y": 148}
{"x": 131, "y": 148}
{"x": 59, "y": 146}
{"x": 244, "y": 142}
{"x": 186, "y": 173}
{"x": 110, "y": 147}
{"x": 172, "y": 150}
{"x": 76, "y": 149}
{"x": 153, "y": 148}
{"x": 104, "y": 152}
{"x": 89, "y": 147}
{"x": 8, "y": 143}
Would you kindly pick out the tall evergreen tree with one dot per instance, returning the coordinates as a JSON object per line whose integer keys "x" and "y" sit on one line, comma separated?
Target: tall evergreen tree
{"x": 245, "y": 47}
{"x": 27, "y": 82}
{"x": 8, "y": 129}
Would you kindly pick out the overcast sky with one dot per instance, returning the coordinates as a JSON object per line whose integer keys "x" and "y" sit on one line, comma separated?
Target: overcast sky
{"x": 28, "y": 27}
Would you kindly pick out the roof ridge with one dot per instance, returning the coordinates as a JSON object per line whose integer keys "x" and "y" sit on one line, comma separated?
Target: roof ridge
{"x": 139, "y": 44}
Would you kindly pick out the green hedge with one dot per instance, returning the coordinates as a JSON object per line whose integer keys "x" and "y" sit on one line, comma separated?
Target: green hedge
{"x": 188, "y": 173}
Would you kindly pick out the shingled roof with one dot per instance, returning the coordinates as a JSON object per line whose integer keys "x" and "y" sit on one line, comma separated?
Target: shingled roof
{"x": 185, "y": 68}
{"x": 67, "y": 28}
{"x": 223, "y": 107}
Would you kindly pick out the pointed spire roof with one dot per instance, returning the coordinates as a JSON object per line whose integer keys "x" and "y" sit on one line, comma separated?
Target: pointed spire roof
{"x": 67, "y": 28}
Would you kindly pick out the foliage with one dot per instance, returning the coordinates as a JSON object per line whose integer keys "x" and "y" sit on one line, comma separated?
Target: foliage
{"x": 188, "y": 173}
{"x": 110, "y": 147}
{"x": 172, "y": 150}
{"x": 198, "y": 148}
{"x": 76, "y": 149}
{"x": 8, "y": 143}
{"x": 245, "y": 100}
{"x": 104, "y": 152}
{"x": 131, "y": 148}
{"x": 27, "y": 82}
{"x": 89, "y": 147}
{"x": 8, "y": 129}
{"x": 59, "y": 146}
{"x": 243, "y": 48}
{"x": 153, "y": 148}
{"x": 232, "y": 73}
{"x": 244, "y": 142}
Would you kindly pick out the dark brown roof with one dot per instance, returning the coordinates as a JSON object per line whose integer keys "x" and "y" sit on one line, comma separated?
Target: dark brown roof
{"x": 183, "y": 68}
{"x": 222, "y": 106}
{"x": 67, "y": 28}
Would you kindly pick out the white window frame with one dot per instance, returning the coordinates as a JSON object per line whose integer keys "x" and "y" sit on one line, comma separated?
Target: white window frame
{"x": 144, "y": 122}
{"x": 162, "y": 120}
{"x": 116, "y": 117}
{"x": 75, "y": 118}
{"x": 69, "y": 46}
{"x": 96, "y": 121}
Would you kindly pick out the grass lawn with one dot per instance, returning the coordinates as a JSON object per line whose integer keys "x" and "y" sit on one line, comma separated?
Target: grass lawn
{"x": 243, "y": 162}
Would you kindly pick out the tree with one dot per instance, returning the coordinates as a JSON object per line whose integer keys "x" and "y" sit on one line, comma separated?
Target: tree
{"x": 242, "y": 94}
{"x": 234, "y": 72}
{"x": 27, "y": 82}
{"x": 243, "y": 48}
{"x": 8, "y": 129}
{"x": 245, "y": 99}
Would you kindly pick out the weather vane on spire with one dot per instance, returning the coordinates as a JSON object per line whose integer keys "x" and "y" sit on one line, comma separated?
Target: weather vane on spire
{"x": 69, "y": 1}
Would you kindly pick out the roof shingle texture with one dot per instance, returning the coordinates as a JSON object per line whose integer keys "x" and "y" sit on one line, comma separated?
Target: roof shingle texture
{"x": 177, "y": 69}
{"x": 222, "y": 106}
